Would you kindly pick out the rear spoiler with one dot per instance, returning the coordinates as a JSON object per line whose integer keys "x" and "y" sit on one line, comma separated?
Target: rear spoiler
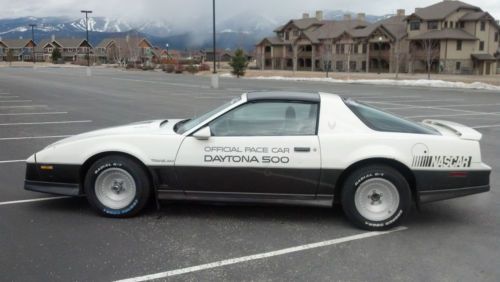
{"x": 460, "y": 130}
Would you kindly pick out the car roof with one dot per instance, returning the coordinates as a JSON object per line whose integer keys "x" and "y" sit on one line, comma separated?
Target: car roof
{"x": 283, "y": 95}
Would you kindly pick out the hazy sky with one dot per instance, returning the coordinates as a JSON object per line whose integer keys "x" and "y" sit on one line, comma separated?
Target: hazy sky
{"x": 182, "y": 11}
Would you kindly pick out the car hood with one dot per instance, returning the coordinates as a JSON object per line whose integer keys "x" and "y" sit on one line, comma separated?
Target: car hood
{"x": 160, "y": 126}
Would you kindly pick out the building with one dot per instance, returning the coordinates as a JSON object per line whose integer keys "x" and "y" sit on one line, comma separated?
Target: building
{"x": 73, "y": 50}
{"x": 455, "y": 37}
{"x": 126, "y": 49}
{"x": 448, "y": 37}
{"x": 20, "y": 49}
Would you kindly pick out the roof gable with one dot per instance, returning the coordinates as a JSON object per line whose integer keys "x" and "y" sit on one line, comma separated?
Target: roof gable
{"x": 441, "y": 10}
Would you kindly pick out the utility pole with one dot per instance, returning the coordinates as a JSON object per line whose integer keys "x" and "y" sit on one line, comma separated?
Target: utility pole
{"x": 87, "y": 12}
{"x": 33, "y": 39}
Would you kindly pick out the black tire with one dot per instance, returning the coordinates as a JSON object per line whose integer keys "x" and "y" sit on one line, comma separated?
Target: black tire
{"x": 380, "y": 174}
{"x": 118, "y": 163}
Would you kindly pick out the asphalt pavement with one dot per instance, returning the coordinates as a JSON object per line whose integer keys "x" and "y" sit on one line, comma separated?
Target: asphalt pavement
{"x": 64, "y": 240}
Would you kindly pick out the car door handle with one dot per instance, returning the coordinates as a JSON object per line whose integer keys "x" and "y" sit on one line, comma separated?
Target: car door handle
{"x": 302, "y": 149}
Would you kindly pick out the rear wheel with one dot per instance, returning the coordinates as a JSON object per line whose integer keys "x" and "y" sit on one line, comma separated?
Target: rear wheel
{"x": 376, "y": 197}
{"x": 117, "y": 186}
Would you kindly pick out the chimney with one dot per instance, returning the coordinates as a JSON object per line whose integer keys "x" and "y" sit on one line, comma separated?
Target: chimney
{"x": 53, "y": 37}
{"x": 347, "y": 17}
{"x": 319, "y": 15}
{"x": 400, "y": 12}
{"x": 361, "y": 16}
{"x": 305, "y": 15}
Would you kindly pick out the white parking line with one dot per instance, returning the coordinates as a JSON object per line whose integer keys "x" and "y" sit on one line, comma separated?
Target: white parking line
{"x": 486, "y": 126}
{"x": 260, "y": 256}
{"x": 7, "y": 97}
{"x": 45, "y": 122}
{"x": 409, "y": 101}
{"x": 431, "y": 107}
{"x": 29, "y": 114}
{"x": 16, "y": 101}
{"x": 12, "y": 161}
{"x": 33, "y": 137}
{"x": 33, "y": 200}
{"x": 456, "y": 115}
{"x": 30, "y": 106}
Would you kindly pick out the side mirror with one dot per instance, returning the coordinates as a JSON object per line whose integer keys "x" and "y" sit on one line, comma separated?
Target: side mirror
{"x": 203, "y": 134}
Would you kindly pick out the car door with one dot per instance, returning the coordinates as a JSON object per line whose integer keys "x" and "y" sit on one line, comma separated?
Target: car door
{"x": 259, "y": 149}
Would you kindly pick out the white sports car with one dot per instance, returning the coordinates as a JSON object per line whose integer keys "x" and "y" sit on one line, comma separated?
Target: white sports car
{"x": 270, "y": 147}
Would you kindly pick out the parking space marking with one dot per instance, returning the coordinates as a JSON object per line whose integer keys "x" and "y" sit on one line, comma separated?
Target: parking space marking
{"x": 34, "y": 137}
{"x": 457, "y": 115}
{"x": 28, "y": 114}
{"x": 431, "y": 107}
{"x": 30, "y": 106}
{"x": 45, "y": 122}
{"x": 12, "y": 161}
{"x": 16, "y": 101}
{"x": 33, "y": 200}
{"x": 409, "y": 101}
{"x": 6, "y": 97}
{"x": 260, "y": 256}
{"x": 486, "y": 126}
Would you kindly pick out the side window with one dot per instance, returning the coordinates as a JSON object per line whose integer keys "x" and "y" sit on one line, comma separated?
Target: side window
{"x": 268, "y": 118}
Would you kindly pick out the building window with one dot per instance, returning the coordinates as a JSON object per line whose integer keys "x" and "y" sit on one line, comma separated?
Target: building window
{"x": 462, "y": 24}
{"x": 481, "y": 45}
{"x": 287, "y": 35}
{"x": 433, "y": 24}
{"x": 356, "y": 48}
{"x": 414, "y": 25}
{"x": 483, "y": 26}
{"x": 457, "y": 66}
{"x": 342, "y": 48}
{"x": 337, "y": 48}
{"x": 445, "y": 25}
{"x": 352, "y": 65}
{"x": 496, "y": 36}
{"x": 295, "y": 33}
{"x": 365, "y": 47}
{"x": 459, "y": 45}
{"x": 308, "y": 48}
{"x": 267, "y": 49}
{"x": 339, "y": 65}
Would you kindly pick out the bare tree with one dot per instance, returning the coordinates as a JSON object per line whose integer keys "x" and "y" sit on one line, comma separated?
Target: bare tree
{"x": 431, "y": 48}
{"x": 326, "y": 56}
{"x": 349, "y": 51}
{"x": 397, "y": 55}
{"x": 10, "y": 56}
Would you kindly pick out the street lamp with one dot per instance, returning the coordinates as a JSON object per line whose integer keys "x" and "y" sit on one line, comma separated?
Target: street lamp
{"x": 380, "y": 38}
{"x": 166, "y": 45}
{"x": 33, "y": 39}
{"x": 213, "y": 22}
{"x": 87, "y": 12}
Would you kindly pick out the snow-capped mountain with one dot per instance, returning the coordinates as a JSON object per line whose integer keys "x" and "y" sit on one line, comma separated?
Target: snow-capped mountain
{"x": 240, "y": 30}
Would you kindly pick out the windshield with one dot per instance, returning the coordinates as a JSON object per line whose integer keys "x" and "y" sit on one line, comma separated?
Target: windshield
{"x": 382, "y": 121}
{"x": 188, "y": 124}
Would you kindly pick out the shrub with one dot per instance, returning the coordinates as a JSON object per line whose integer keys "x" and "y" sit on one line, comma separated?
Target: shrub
{"x": 204, "y": 67}
{"x": 179, "y": 69}
{"x": 238, "y": 63}
{"x": 192, "y": 69}
{"x": 168, "y": 68}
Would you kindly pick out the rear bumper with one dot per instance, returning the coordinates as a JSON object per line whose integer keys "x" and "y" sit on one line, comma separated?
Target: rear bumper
{"x": 438, "y": 195}
{"x": 441, "y": 185}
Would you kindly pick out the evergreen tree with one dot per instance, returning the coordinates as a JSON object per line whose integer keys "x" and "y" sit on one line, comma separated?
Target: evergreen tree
{"x": 56, "y": 55}
{"x": 238, "y": 63}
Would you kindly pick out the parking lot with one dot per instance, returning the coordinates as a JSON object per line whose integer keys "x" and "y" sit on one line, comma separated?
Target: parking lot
{"x": 43, "y": 238}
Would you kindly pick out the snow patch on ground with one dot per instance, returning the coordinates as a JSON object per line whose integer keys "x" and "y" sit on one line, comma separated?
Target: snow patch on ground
{"x": 402, "y": 82}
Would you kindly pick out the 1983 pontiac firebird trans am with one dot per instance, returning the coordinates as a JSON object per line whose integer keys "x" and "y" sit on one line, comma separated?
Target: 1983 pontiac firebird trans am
{"x": 270, "y": 147}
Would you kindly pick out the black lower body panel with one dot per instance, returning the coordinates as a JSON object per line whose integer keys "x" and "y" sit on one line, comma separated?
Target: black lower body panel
{"x": 69, "y": 189}
{"x": 441, "y": 185}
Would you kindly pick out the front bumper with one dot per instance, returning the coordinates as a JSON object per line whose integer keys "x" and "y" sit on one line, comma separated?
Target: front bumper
{"x": 441, "y": 185}
{"x": 59, "y": 179}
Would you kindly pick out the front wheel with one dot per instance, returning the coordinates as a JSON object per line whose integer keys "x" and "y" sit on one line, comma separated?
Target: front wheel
{"x": 376, "y": 197}
{"x": 117, "y": 186}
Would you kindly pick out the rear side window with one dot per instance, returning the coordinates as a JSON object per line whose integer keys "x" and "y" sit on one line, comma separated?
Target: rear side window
{"x": 382, "y": 121}
{"x": 268, "y": 118}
